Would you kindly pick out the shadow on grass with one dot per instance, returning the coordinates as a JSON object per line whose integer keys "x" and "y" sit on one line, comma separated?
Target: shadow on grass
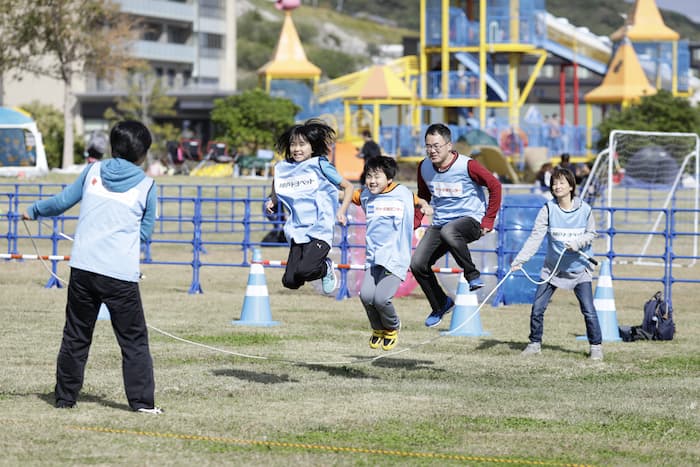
{"x": 406, "y": 364}
{"x": 346, "y": 371}
{"x": 50, "y": 399}
{"x": 519, "y": 346}
{"x": 264, "y": 378}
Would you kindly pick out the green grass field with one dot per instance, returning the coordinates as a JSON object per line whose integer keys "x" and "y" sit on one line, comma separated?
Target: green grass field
{"x": 453, "y": 401}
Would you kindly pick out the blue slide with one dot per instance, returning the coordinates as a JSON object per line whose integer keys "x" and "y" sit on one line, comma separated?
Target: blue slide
{"x": 495, "y": 90}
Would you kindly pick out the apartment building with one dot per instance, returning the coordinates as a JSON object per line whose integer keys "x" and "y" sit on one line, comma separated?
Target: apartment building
{"x": 189, "y": 44}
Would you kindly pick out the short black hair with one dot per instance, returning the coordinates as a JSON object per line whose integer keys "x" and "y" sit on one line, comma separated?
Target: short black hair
{"x": 382, "y": 163}
{"x": 439, "y": 129}
{"x": 130, "y": 140}
{"x": 94, "y": 153}
{"x": 567, "y": 174}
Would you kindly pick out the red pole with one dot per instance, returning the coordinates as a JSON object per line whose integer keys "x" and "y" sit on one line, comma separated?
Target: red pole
{"x": 562, "y": 93}
{"x": 575, "y": 94}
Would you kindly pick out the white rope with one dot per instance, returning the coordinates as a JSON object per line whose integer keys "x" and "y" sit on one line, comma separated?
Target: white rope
{"x": 556, "y": 267}
{"x": 297, "y": 362}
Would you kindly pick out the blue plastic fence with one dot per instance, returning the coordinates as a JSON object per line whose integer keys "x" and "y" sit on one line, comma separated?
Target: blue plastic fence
{"x": 198, "y": 217}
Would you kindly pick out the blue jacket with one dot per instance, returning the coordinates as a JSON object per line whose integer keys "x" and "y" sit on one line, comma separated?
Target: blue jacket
{"x": 117, "y": 212}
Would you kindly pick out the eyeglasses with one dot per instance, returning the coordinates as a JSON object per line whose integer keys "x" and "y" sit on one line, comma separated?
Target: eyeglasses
{"x": 437, "y": 147}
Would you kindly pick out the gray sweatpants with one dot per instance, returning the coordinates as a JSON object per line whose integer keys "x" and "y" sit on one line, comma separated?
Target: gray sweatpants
{"x": 377, "y": 292}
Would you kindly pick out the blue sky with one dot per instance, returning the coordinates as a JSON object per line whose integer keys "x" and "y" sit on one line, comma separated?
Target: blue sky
{"x": 690, "y": 8}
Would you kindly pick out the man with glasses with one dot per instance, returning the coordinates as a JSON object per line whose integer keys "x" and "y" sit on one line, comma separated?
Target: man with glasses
{"x": 452, "y": 183}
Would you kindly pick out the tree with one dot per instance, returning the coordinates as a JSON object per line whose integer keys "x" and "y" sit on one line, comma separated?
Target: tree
{"x": 49, "y": 120}
{"x": 63, "y": 39}
{"x": 660, "y": 112}
{"x": 146, "y": 101}
{"x": 10, "y": 49}
{"x": 252, "y": 119}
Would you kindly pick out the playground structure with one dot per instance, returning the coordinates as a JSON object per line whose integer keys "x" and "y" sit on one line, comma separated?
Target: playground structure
{"x": 484, "y": 56}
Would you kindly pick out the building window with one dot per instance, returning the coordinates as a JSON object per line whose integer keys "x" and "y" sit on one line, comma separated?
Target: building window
{"x": 177, "y": 34}
{"x": 211, "y": 8}
{"x": 171, "y": 78}
{"x": 151, "y": 32}
{"x": 208, "y": 82}
{"x": 211, "y": 41}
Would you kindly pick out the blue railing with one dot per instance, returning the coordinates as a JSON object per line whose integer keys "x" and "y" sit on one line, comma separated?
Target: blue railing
{"x": 200, "y": 218}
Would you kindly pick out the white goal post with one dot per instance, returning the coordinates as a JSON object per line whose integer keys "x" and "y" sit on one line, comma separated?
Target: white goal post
{"x": 638, "y": 178}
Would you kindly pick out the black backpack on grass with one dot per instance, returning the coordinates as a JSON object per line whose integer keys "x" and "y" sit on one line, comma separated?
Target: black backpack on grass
{"x": 657, "y": 324}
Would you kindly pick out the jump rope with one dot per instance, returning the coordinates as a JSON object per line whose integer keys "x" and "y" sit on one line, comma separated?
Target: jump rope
{"x": 327, "y": 363}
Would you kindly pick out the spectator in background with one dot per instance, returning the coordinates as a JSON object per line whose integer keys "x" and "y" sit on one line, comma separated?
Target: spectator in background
{"x": 574, "y": 168}
{"x": 544, "y": 177}
{"x": 370, "y": 148}
{"x": 96, "y": 148}
{"x": 553, "y": 134}
{"x": 472, "y": 121}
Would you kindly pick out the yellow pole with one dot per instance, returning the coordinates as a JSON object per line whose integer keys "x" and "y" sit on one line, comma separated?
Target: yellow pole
{"x": 513, "y": 111}
{"x": 482, "y": 63}
{"x": 589, "y": 126}
{"x": 376, "y": 109}
{"x": 514, "y": 21}
{"x": 445, "y": 50}
{"x": 674, "y": 75}
{"x": 423, "y": 59}
{"x": 346, "y": 120}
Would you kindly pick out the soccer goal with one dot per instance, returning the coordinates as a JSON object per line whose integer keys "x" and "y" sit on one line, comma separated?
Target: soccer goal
{"x": 649, "y": 184}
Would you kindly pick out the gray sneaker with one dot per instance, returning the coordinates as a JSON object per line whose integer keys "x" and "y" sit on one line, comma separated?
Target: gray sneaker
{"x": 533, "y": 348}
{"x": 330, "y": 281}
{"x": 596, "y": 352}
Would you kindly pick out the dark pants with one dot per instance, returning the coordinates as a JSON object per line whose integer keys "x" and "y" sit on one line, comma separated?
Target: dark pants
{"x": 438, "y": 240}
{"x": 86, "y": 291}
{"x": 306, "y": 262}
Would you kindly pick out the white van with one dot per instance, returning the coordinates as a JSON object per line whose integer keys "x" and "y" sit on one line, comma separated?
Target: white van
{"x": 21, "y": 146}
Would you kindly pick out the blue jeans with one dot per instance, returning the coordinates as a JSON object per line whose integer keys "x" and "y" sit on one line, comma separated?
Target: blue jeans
{"x": 584, "y": 294}
{"x": 438, "y": 240}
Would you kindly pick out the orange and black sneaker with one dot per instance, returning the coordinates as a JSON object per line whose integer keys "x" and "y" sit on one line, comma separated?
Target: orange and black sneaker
{"x": 390, "y": 339}
{"x": 375, "y": 339}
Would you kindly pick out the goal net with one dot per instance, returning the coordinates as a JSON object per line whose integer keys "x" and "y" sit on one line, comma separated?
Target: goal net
{"x": 648, "y": 185}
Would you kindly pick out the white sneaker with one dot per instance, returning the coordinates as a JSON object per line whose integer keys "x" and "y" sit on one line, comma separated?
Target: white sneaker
{"x": 533, "y": 348}
{"x": 596, "y": 352}
{"x": 330, "y": 281}
{"x": 153, "y": 411}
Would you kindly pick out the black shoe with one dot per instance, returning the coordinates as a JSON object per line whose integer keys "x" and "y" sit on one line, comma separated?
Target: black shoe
{"x": 65, "y": 405}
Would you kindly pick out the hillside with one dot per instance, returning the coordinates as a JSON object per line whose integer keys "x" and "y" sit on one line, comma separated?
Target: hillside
{"x": 340, "y": 42}
{"x": 602, "y": 17}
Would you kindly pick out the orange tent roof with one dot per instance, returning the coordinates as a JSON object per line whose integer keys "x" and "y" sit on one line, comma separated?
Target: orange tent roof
{"x": 379, "y": 83}
{"x": 289, "y": 59}
{"x": 645, "y": 24}
{"x": 624, "y": 81}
